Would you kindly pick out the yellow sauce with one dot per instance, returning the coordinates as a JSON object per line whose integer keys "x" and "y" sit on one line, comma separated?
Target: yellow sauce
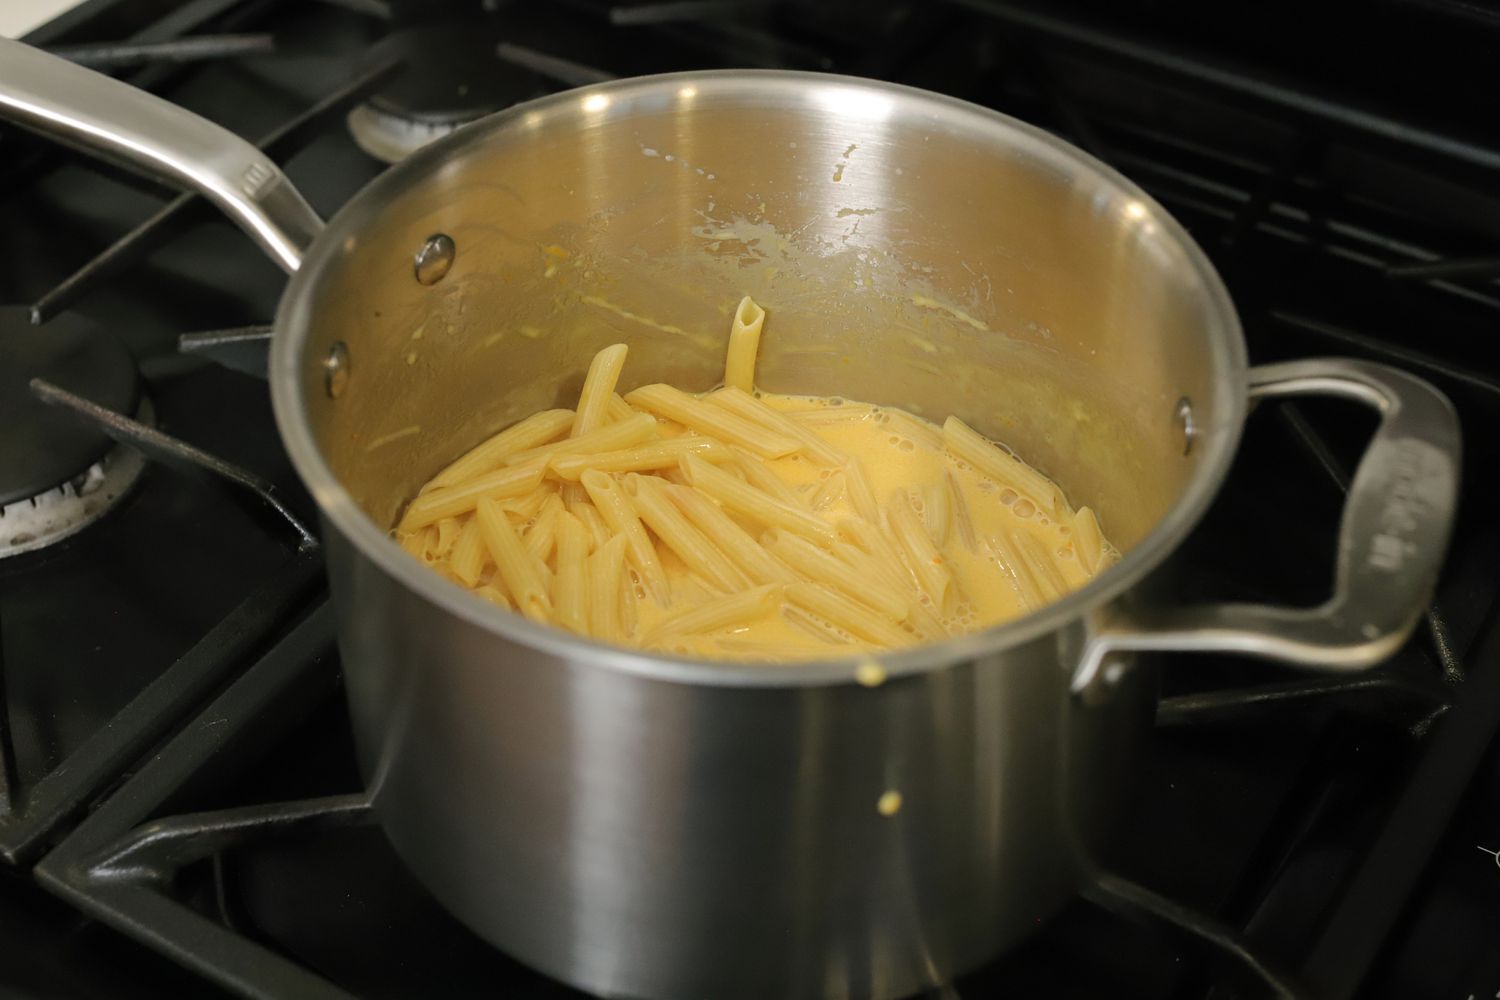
{"x": 898, "y": 451}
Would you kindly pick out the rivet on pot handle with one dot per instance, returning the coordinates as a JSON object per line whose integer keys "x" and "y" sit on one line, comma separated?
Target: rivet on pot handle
{"x": 1395, "y": 529}
{"x": 53, "y": 96}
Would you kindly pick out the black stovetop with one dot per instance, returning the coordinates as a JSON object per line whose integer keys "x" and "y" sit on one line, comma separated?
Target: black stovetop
{"x": 174, "y": 662}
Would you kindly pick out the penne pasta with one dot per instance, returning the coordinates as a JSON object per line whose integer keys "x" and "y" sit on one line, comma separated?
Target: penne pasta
{"x": 685, "y": 541}
{"x": 959, "y": 510}
{"x": 528, "y": 505}
{"x": 1038, "y": 562}
{"x": 454, "y": 500}
{"x": 542, "y": 533}
{"x": 605, "y": 569}
{"x": 878, "y": 545}
{"x": 754, "y": 503}
{"x": 620, "y": 514}
{"x": 598, "y": 387}
{"x": 588, "y": 516}
{"x": 935, "y": 512}
{"x": 1088, "y": 542}
{"x": 495, "y": 596}
{"x": 919, "y": 618}
{"x": 861, "y": 497}
{"x": 537, "y": 429}
{"x": 619, "y": 409}
{"x": 656, "y": 455}
{"x": 571, "y": 493}
{"x": 1000, "y": 465}
{"x": 419, "y": 543}
{"x": 713, "y": 421}
{"x": 824, "y": 416}
{"x": 829, "y": 493}
{"x": 516, "y": 567}
{"x": 822, "y": 567}
{"x": 926, "y": 563}
{"x": 569, "y": 583}
{"x": 927, "y": 625}
{"x": 469, "y": 556}
{"x": 729, "y": 537}
{"x": 846, "y": 614}
{"x": 638, "y": 429}
{"x": 722, "y": 612}
{"x": 447, "y": 534}
{"x": 742, "y": 404}
{"x": 918, "y": 432}
{"x": 629, "y": 614}
{"x": 817, "y": 628}
{"x": 892, "y": 577}
{"x": 759, "y": 475}
{"x": 744, "y": 344}
{"x": 688, "y": 589}
{"x": 1016, "y": 571}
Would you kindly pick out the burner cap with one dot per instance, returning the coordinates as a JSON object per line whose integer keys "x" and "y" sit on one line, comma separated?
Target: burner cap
{"x": 450, "y": 76}
{"x": 41, "y": 446}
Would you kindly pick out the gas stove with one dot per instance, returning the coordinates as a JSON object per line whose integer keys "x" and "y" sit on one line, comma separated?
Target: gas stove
{"x": 180, "y": 813}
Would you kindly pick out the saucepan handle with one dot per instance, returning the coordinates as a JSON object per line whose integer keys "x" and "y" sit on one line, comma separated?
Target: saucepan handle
{"x": 1395, "y": 530}
{"x": 78, "y": 106}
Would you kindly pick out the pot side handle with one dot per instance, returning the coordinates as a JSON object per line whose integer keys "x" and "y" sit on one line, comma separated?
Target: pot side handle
{"x": 1395, "y": 529}
{"x": 48, "y": 94}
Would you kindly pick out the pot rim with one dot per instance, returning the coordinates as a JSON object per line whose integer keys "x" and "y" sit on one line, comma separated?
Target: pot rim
{"x": 294, "y": 321}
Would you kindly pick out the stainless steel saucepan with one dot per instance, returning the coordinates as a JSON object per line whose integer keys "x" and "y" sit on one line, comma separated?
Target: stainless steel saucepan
{"x": 648, "y": 826}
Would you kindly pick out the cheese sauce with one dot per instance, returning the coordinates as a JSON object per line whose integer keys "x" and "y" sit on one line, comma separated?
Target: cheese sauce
{"x": 977, "y": 527}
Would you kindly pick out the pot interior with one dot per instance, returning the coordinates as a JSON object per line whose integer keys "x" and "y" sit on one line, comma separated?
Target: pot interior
{"x": 911, "y": 251}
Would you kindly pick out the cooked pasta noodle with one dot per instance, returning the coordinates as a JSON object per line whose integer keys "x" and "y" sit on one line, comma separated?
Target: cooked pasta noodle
{"x": 713, "y": 421}
{"x": 598, "y": 390}
{"x": 686, "y": 542}
{"x": 745, "y": 499}
{"x": 588, "y": 516}
{"x": 846, "y": 614}
{"x": 540, "y": 535}
{"x": 922, "y": 557}
{"x": 461, "y": 498}
{"x": 605, "y": 570}
{"x": 823, "y": 567}
{"x": 747, "y": 605}
{"x": 733, "y": 540}
{"x": 1000, "y": 465}
{"x": 829, "y": 493}
{"x": 620, "y": 514}
{"x": 570, "y": 582}
{"x": 619, "y": 409}
{"x": 513, "y": 564}
{"x": 1087, "y": 541}
{"x": 539, "y": 428}
{"x": 469, "y": 556}
{"x": 739, "y": 402}
{"x": 633, "y": 430}
{"x": 744, "y": 344}
{"x": 656, "y": 455}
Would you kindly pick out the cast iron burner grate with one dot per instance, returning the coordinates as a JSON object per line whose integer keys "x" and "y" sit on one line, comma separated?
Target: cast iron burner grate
{"x": 238, "y": 891}
{"x": 1331, "y": 830}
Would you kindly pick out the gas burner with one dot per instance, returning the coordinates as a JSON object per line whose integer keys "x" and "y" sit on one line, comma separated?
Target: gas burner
{"x": 57, "y": 473}
{"x": 451, "y": 76}
{"x": 49, "y": 517}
